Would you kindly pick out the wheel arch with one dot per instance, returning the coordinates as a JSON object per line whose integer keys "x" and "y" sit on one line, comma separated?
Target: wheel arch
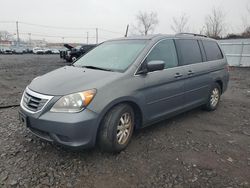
{"x": 127, "y": 100}
{"x": 219, "y": 81}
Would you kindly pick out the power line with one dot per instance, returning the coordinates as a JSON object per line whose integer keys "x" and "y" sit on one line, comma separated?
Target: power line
{"x": 115, "y": 32}
{"x": 55, "y": 36}
{"x": 7, "y": 22}
{"x": 62, "y": 27}
{"x": 57, "y": 27}
{"x": 84, "y": 29}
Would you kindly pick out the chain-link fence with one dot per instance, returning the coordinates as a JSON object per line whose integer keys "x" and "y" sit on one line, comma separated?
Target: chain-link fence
{"x": 237, "y": 51}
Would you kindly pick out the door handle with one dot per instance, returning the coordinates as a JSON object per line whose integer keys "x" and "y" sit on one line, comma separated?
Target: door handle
{"x": 178, "y": 75}
{"x": 190, "y": 72}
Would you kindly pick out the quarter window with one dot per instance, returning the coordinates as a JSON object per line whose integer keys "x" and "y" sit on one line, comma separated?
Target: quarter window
{"x": 164, "y": 51}
{"x": 189, "y": 51}
{"x": 212, "y": 50}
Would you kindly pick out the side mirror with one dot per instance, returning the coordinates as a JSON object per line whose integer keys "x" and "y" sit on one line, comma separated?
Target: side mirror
{"x": 155, "y": 65}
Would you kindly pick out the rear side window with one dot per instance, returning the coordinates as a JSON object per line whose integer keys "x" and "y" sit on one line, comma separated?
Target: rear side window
{"x": 189, "y": 51}
{"x": 164, "y": 51}
{"x": 212, "y": 50}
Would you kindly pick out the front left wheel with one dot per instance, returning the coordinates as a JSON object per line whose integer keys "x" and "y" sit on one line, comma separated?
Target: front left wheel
{"x": 116, "y": 128}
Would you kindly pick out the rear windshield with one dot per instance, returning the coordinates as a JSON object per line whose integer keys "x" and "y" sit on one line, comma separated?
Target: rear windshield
{"x": 113, "y": 55}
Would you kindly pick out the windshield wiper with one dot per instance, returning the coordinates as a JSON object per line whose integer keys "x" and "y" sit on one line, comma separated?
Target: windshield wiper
{"x": 97, "y": 68}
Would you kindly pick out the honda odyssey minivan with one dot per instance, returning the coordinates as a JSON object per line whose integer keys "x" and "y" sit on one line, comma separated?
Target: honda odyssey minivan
{"x": 122, "y": 85}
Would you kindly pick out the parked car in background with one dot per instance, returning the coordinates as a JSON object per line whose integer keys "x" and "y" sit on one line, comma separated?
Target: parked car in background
{"x": 38, "y": 50}
{"x": 28, "y": 51}
{"x": 78, "y": 51}
{"x": 47, "y": 51}
{"x": 7, "y": 51}
{"x": 22, "y": 50}
{"x": 55, "y": 51}
{"x": 123, "y": 85}
{"x": 18, "y": 50}
{"x": 64, "y": 52}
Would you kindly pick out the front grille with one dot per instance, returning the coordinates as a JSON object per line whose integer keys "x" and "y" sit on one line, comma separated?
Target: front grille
{"x": 34, "y": 102}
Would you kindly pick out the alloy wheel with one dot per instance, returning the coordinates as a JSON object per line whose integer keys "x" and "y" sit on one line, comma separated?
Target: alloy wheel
{"x": 215, "y": 96}
{"x": 124, "y": 128}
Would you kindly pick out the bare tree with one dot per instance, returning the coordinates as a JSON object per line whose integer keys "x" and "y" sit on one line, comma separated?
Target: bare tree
{"x": 180, "y": 24}
{"x": 246, "y": 22}
{"x": 5, "y": 35}
{"x": 246, "y": 32}
{"x": 215, "y": 23}
{"x": 248, "y": 9}
{"x": 202, "y": 30}
{"x": 146, "y": 22}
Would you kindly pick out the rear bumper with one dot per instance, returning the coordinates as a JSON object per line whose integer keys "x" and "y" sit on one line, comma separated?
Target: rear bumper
{"x": 69, "y": 129}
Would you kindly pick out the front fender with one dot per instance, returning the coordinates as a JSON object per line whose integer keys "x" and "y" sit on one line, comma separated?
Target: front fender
{"x": 136, "y": 101}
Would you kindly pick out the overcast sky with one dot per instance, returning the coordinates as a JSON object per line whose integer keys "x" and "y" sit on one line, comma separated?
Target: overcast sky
{"x": 112, "y": 15}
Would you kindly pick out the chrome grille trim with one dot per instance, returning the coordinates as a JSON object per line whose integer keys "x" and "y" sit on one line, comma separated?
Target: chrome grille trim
{"x": 38, "y": 101}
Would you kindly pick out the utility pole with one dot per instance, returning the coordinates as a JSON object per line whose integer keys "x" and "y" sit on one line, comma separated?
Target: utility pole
{"x": 29, "y": 39}
{"x": 96, "y": 37}
{"x": 87, "y": 37}
{"x": 126, "y": 33}
{"x": 17, "y": 33}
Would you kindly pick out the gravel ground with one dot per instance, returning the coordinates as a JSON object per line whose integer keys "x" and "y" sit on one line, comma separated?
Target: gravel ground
{"x": 16, "y": 71}
{"x": 194, "y": 149}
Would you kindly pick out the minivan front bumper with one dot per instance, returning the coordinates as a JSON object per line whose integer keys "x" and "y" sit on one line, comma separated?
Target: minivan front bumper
{"x": 68, "y": 129}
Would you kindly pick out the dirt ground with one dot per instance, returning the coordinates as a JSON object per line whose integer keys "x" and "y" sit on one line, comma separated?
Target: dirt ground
{"x": 194, "y": 149}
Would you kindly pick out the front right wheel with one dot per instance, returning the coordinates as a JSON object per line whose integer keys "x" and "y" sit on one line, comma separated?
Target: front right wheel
{"x": 116, "y": 128}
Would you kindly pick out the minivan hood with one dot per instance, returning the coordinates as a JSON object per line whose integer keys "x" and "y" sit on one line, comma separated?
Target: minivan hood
{"x": 71, "y": 79}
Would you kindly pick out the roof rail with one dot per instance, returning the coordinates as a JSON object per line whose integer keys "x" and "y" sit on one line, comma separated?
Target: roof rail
{"x": 193, "y": 34}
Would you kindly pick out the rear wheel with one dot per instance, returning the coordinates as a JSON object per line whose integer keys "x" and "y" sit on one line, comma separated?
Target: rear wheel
{"x": 214, "y": 98}
{"x": 116, "y": 128}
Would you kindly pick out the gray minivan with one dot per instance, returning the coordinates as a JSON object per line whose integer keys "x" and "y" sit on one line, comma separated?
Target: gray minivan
{"x": 122, "y": 85}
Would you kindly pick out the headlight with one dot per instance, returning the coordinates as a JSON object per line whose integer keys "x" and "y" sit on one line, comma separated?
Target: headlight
{"x": 74, "y": 102}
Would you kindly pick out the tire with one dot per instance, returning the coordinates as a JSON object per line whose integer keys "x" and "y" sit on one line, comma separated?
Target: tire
{"x": 73, "y": 58}
{"x": 116, "y": 129}
{"x": 214, "y": 98}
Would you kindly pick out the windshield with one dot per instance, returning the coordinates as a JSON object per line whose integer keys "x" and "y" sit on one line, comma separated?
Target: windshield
{"x": 113, "y": 55}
